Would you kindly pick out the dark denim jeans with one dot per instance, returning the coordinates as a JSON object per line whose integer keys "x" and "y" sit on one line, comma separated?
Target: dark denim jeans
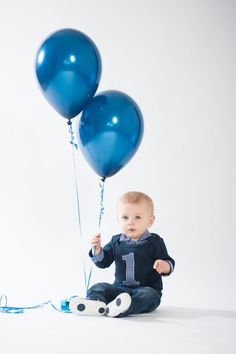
{"x": 144, "y": 298}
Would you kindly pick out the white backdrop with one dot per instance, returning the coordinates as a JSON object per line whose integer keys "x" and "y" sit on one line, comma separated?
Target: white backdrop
{"x": 177, "y": 60}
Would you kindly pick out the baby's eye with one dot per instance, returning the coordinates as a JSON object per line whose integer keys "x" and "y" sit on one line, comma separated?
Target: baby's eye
{"x": 124, "y": 217}
{"x": 138, "y": 217}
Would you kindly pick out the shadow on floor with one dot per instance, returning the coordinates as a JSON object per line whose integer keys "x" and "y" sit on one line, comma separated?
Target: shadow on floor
{"x": 175, "y": 313}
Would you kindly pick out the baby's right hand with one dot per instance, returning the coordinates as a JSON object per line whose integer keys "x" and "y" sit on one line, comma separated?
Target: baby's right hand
{"x": 96, "y": 243}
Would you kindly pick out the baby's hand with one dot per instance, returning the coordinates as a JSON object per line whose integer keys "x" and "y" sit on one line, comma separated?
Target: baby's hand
{"x": 161, "y": 266}
{"x": 96, "y": 243}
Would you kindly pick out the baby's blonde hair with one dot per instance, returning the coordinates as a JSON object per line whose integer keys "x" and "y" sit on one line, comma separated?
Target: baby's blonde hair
{"x": 135, "y": 198}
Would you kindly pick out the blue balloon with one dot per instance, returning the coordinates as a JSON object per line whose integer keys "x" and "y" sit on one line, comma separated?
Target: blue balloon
{"x": 110, "y": 131}
{"x": 68, "y": 70}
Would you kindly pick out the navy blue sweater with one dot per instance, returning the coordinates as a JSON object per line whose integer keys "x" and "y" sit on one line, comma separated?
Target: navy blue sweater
{"x": 134, "y": 260}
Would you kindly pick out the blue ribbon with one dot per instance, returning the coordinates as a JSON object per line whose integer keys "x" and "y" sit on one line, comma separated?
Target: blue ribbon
{"x": 4, "y": 308}
{"x": 101, "y": 213}
{"x": 19, "y": 310}
{"x": 101, "y": 185}
{"x": 75, "y": 147}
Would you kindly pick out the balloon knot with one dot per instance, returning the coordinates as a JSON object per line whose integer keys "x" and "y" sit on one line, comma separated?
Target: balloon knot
{"x": 69, "y": 122}
{"x": 103, "y": 179}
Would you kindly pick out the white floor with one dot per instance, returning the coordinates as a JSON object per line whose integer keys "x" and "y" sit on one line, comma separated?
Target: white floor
{"x": 167, "y": 330}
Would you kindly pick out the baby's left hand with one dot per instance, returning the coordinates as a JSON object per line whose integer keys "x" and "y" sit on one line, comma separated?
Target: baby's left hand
{"x": 161, "y": 266}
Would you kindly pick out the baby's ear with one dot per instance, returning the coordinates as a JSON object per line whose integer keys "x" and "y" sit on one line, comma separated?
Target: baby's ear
{"x": 152, "y": 219}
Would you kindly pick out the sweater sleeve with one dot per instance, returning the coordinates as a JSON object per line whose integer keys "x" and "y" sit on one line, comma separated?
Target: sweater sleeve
{"x": 105, "y": 258}
{"x": 165, "y": 257}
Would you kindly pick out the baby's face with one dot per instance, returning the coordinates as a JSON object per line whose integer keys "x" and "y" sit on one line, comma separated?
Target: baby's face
{"x": 134, "y": 218}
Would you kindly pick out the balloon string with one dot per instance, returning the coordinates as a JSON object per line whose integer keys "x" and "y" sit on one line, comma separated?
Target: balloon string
{"x": 19, "y": 310}
{"x": 101, "y": 185}
{"x": 75, "y": 147}
{"x": 72, "y": 135}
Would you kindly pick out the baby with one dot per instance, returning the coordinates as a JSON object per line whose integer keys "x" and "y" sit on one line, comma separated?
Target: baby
{"x": 141, "y": 259}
